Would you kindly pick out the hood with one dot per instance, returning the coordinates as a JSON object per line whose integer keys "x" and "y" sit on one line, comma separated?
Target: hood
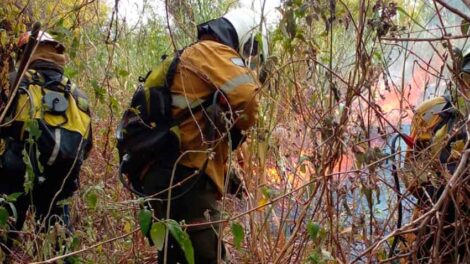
{"x": 49, "y": 53}
{"x": 220, "y": 28}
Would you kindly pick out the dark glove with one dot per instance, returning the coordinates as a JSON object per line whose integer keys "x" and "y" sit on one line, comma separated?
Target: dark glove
{"x": 235, "y": 185}
{"x": 237, "y": 137}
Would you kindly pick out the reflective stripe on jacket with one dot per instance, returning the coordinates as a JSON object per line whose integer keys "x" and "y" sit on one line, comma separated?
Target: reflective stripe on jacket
{"x": 206, "y": 67}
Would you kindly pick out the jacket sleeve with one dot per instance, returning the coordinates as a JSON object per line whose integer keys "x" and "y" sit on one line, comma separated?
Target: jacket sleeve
{"x": 226, "y": 71}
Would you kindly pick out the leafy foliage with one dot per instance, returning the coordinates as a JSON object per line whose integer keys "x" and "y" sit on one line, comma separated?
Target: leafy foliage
{"x": 182, "y": 238}
{"x": 145, "y": 220}
{"x": 238, "y": 234}
{"x": 319, "y": 189}
{"x": 3, "y": 217}
{"x": 157, "y": 234}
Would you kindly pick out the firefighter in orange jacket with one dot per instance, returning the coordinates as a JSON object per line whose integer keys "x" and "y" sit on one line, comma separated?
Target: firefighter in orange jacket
{"x": 218, "y": 63}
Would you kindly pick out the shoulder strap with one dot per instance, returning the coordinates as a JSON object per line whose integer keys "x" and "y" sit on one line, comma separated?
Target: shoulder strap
{"x": 32, "y": 77}
{"x": 448, "y": 115}
{"x": 35, "y": 77}
{"x": 170, "y": 75}
{"x": 66, "y": 84}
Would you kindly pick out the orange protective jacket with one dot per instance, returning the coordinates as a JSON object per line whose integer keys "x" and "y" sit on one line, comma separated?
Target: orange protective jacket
{"x": 204, "y": 68}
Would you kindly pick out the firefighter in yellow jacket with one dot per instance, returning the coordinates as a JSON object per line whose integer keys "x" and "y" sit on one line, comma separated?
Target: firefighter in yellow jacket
{"x": 44, "y": 140}
{"x": 216, "y": 68}
{"x": 439, "y": 134}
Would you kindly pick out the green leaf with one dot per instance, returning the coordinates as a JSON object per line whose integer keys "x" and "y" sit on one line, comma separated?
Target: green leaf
{"x": 114, "y": 103}
{"x": 183, "y": 240}
{"x": 315, "y": 258}
{"x": 100, "y": 92}
{"x": 123, "y": 73}
{"x": 75, "y": 260}
{"x": 38, "y": 162}
{"x": 313, "y": 229}
{"x": 145, "y": 219}
{"x": 157, "y": 234}
{"x": 71, "y": 72}
{"x": 29, "y": 174}
{"x": 238, "y": 234}
{"x": 464, "y": 26}
{"x": 64, "y": 202}
{"x": 3, "y": 37}
{"x": 32, "y": 126}
{"x": 61, "y": 31}
{"x": 3, "y": 216}
{"x": 60, "y": 23}
{"x": 75, "y": 242}
{"x": 377, "y": 56}
{"x": 13, "y": 197}
{"x": 91, "y": 199}
{"x": 267, "y": 192}
{"x": 301, "y": 11}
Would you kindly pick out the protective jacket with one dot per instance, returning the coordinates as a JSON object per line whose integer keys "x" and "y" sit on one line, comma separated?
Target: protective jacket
{"x": 50, "y": 122}
{"x": 206, "y": 67}
{"x": 431, "y": 128}
{"x": 65, "y": 135}
{"x": 439, "y": 141}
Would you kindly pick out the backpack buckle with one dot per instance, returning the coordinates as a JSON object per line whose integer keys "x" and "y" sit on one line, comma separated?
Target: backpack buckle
{"x": 55, "y": 102}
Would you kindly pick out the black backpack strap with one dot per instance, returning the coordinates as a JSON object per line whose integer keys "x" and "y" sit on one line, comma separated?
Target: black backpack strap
{"x": 32, "y": 77}
{"x": 449, "y": 114}
{"x": 161, "y": 112}
{"x": 170, "y": 76}
{"x": 67, "y": 85}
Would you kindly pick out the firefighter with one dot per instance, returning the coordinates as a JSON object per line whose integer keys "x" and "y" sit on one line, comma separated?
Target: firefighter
{"x": 439, "y": 134}
{"x": 44, "y": 139}
{"x": 217, "y": 67}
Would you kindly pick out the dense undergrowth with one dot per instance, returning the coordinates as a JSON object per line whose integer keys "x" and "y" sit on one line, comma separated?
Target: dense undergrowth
{"x": 343, "y": 77}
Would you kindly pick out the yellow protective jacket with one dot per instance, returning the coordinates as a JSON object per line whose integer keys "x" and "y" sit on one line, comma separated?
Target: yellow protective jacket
{"x": 430, "y": 129}
{"x": 204, "y": 68}
{"x": 438, "y": 147}
{"x": 61, "y": 134}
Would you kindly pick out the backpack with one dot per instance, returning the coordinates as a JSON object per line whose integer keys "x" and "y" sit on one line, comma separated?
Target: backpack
{"x": 147, "y": 132}
{"x": 62, "y": 114}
